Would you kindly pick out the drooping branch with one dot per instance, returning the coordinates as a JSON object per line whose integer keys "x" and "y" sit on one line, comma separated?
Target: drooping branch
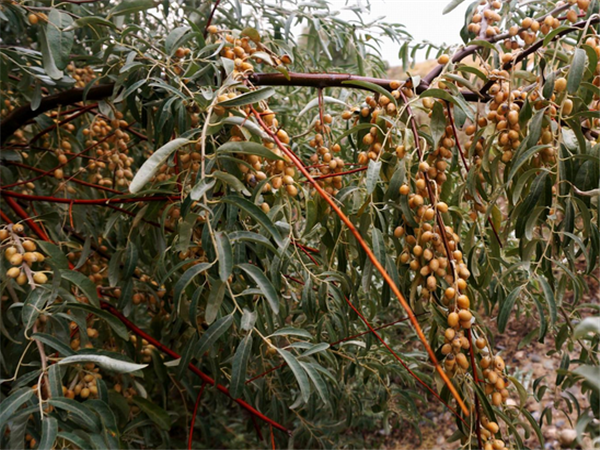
{"x": 384, "y": 273}
{"x": 539, "y": 44}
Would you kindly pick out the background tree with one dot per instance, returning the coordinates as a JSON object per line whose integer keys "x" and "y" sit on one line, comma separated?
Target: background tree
{"x": 219, "y": 234}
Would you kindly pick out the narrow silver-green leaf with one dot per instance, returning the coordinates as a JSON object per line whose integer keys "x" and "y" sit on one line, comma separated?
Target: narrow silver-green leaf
{"x": 106, "y": 362}
{"x": 239, "y": 367}
{"x": 373, "y": 175}
{"x": 317, "y": 380}
{"x": 550, "y": 300}
{"x": 84, "y": 284}
{"x": 298, "y": 372}
{"x": 450, "y": 6}
{"x": 14, "y": 402}
{"x": 202, "y": 188}
{"x": 258, "y": 215}
{"x": 215, "y": 299}
{"x": 576, "y": 70}
{"x": 225, "y": 255}
{"x": 214, "y": 332}
{"x": 249, "y": 97}
{"x": 49, "y": 433}
{"x": 506, "y": 307}
{"x": 60, "y": 41}
{"x": 186, "y": 279}
{"x": 248, "y": 148}
{"x": 264, "y": 285}
{"x": 152, "y": 164}
{"x": 158, "y": 415}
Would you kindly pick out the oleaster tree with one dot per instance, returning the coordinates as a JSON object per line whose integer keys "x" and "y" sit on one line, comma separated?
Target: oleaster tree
{"x": 223, "y": 227}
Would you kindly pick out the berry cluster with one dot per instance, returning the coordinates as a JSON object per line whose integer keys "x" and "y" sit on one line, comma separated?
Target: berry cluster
{"x": 21, "y": 253}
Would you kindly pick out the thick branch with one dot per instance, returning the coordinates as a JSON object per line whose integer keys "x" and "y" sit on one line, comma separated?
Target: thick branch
{"x": 19, "y": 116}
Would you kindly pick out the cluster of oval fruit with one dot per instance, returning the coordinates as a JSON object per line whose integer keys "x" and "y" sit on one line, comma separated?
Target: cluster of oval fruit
{"x": 241, "y": 49}
{"x": 21, "y": 253}
{"x": 111, "y": 143}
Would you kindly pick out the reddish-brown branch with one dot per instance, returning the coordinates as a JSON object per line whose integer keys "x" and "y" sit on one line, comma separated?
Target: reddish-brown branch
{"x": 386, "y": 276}
{"x": 333, "y": 344}
{"x": 333, "y": 80}
{"x": 466, "y": 164}
{"x": 140, "y": 333}
{"x": 476, "y": 381}
{"x": 20, "y": 115}
{"x": 77, "y": 201}
{"x": 80, "y": 112}
{"x": 193, "y": 421}
{"x": 272, "y": 439}
{"x": 74, "y": 180}
{"x": 5, "y": 218}
{"x": 28, "y": 220}
{"x": 348, "y": 172}
{"x": 578, "y": 26}
{"x": 51, "y": 171}
{"x": 414, "y": 375}
{"x": 210, "y": 17}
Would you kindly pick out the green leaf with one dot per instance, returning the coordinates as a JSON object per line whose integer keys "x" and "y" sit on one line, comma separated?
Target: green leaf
{"x": 590, "y": 373}
{"x": 456, "y": 99}
{"x": 239, "y": 367}
{"x": 186, "y": 279}
{"x": 549, "y": 295}
{"x": 587, "y": 325}
{"x": 298, "y": 372}
{"x": 14, "y": 402}
{"x": 54, "y": 343}
{"x": 214, "y": 332}
{"x": 506, "y": 307}
{"x": 49, "y": 433}
{"x": 152, "y": 164}
{"x": 248, "y": 98}
{"x": 47, "y": 57}
{"x": 202, "y": 188}
{"x": 257, "y": 214}
{"x": 576, "y": 70}
{"x": 131, "y": 6}
{"x": 89, "y": 21}
{"x": 317, "y": 380}
{"x": 215, "y": 299}
{"x": 60, "y": 41}
{"x": 232, "y": 181}
{"x": 158, "y": 415}
{"x": 173, "y": 39}
{"x": 291, "y": 331}
{"x": 77, "y": 412}
{"x": 84, "y": 284}
{"x": 522, "y": 158}
{"x": 225, "y": 255}
{"x": 248, "y": 148}
{"x": 54, "y": 252}
{"x": 264, "y": 284}
{"x": 106, "y": 362}
{"x": 371, "y": 87}
{"x": 373, "y": 175}
{"x": 74, "y": 439}
{"x": 450, "y": 6}
{"x": 438, "y": 123}
{"x": 33, "y": 306}
{"x": 117, "y": 326}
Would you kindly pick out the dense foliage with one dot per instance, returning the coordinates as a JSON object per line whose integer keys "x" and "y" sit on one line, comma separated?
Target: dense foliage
{"x": 215, "y": 238}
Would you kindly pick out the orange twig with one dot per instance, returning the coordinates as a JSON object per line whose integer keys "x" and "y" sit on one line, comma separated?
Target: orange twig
{"x": 386, "y": 276}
